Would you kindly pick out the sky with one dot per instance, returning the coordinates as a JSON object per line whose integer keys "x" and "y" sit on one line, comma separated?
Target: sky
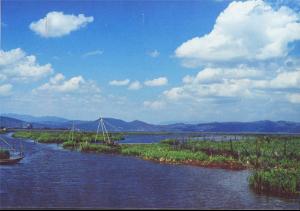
{"x": 155, "y": 61}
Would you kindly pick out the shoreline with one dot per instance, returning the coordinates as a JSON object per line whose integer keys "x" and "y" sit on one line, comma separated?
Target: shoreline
{"x": 235, "y": 156}
{"x": 202, "y": 164}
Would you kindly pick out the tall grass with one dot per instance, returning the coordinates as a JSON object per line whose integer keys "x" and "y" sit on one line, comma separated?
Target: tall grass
{"x": 276, "y": 181}
{"x": 161, "y": 152}
{"x": 275, "y": 161}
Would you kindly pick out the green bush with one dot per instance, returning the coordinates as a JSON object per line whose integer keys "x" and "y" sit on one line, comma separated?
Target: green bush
{"x": 276, "y": 181}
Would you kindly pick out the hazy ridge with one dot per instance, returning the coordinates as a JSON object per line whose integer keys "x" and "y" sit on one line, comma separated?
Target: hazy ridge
{"x": 112, "y": 124}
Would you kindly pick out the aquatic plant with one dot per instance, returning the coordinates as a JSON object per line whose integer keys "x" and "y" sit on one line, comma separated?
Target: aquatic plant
{"x": 275, "y": 161}
{"x": 101, "y": 148}
{"x": 276, "y": 181}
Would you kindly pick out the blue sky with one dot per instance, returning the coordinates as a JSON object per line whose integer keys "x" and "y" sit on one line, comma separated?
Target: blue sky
{"x": 157, "y": 61}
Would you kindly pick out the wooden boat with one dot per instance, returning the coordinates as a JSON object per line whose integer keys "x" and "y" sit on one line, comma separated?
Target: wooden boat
{"x": 10, "y": 161}
{"x": 10, "y": 156}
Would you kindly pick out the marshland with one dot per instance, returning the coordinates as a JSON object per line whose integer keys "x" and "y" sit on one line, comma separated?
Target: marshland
{"x": 274, "y": 160}
{"x": 180, "y": 170}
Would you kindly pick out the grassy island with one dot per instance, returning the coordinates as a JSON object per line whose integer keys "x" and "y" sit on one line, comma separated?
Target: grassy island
{"x": 64, "y": 137}
{"x": 274, "y": 161}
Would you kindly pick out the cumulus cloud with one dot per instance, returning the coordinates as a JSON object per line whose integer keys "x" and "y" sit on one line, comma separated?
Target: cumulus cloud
{"x": 136, "y": 85}
{"x": 239, "y": 82}
{"x": 215, "y": 82}
{"x": 245, "y": 58}
{"x": 155, "y": 105}
{"x": 119, "y": 82}
{"x": 282, "y": 80}
{"x": 16, "y": 65}
{"x": 286, "y": 80}
{"x": 244, "y": 31}
{"x": 5, "y": 89}
{"x": 198, "y": 91}
{"x": 216, "y": 75}
{"x": 59, "y": 84}
{"x": 58, "y": 24}
{"x": 161, "y": 81}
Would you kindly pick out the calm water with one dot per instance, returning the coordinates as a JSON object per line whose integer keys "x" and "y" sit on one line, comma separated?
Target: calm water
{"x": 52, "y": 177}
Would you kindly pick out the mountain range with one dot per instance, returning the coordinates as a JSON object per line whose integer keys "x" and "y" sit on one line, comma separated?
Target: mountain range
{"x": 117, "y": 125}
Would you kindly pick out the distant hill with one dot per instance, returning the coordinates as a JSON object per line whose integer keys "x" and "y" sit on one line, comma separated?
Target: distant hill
{"x": 117, "y": 125}
{"x": 41, "y": 119}
{"x": 120, "y": 125}
{"x": 11, "y": 122}
{"x": 235, "y": 127}
{"x": 16, "y": 123}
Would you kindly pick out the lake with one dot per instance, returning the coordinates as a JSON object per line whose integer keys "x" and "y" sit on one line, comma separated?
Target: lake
{"x": 52, "y": 177}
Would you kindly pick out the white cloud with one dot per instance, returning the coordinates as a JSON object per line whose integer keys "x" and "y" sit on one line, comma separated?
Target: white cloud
{"x": 244, "y": 31}
{"x": 238, "y": 82}
{"x": 294, "y": 98}
{"x": 286, "y": 80}
{"x": 216, "y": 75}
{"x": 155, "y": 105}
{"x": 57, "y": 24}
{"x": 154, "y": 54}
{"x": 283, "y": 80}
{"x": 5, "y": 89}
{"x": 161, "y": 81}
{"x": 197, "y": 91}
{"x": 16, "y": 65}
{"x": 176, "y": 93}
{"x": 136, "y": 85}
{"x": 58, "y": 84}
{"x": 9, "y": 57}
{"x": 57, "y": 78}
{"x": 119, "y": 82}
{"x": 77, "y": 84}
{"x": 92, "y": 53}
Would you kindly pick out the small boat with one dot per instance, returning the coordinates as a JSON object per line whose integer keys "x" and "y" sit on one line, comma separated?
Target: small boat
{"x": 10, "y": 161}
{"x": 9, "y": 156}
